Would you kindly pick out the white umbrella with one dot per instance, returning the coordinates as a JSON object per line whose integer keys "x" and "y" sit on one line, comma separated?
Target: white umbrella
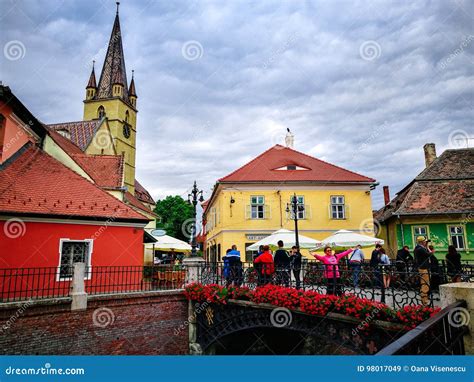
{"x": 345, "y": 238}
{"x": 288, "y": 238}
{"x": 168, "y": 243}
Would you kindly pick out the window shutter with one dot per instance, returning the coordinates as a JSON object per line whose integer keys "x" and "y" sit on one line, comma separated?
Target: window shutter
{"x": 347, "y": 211}
{"x": 267, "y": 212}
{"x": 247, "y": 212}
{"x": 330, "y": 211}
{"x": 307, "y": 209}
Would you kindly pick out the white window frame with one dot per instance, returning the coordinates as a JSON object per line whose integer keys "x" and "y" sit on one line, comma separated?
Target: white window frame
{"x": 89, "y": 258}
{"x": 415, "y": 235}
{"x": 259, "y": 203}
{"x": 337, "y": 201}
{"x": 462, "y": 235}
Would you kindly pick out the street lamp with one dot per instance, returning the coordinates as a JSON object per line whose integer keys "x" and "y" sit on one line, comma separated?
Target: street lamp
{"x": 193, "y": 199}
{"x": 294, "y": 207}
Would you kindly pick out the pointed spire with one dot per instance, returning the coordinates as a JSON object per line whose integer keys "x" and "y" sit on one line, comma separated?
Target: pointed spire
{"x": 131, "y": 90}
{"x": 113, "y": 71}
{"x": 92, "y": 83}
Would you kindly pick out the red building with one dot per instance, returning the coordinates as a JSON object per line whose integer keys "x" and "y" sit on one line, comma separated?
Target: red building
{"x": 51, "y": 216}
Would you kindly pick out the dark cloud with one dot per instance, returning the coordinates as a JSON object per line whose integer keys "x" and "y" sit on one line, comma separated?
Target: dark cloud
{"x": 361, "y": 84}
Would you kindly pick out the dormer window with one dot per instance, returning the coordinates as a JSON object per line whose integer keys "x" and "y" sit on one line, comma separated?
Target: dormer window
{"x": 292, "y": 167}
{"x": 65, "y": 133}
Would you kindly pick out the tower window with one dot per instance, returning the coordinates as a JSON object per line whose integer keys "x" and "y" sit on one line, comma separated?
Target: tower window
{"x": 100, "y": 112}
{"x": 127, "y": 116}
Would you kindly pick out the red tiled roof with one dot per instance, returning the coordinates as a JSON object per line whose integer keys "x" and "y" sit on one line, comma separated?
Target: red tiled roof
{"x": 36, "y": 183}
{"x": 205, "y": 204}
{"x": 133, "y": 201}
{"x": 444, "y": 187}
{"x": 105, "y": 170}
{"x": 69, "y": 147}
{"x": 264, "y": 168}
{"x": 142, "y": 194}
{"x": 81, "y": 132}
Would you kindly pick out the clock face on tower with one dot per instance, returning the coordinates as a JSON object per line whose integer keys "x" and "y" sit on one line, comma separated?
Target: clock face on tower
{"x": 126, "y": 130}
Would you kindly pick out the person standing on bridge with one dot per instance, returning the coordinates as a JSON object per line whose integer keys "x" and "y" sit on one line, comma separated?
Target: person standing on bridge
{"x": 331, "y": 261}
{"x": 264, "y": 266}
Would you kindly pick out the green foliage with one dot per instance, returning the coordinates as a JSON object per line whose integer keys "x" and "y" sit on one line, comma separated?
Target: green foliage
{"x": 173, "y": 211}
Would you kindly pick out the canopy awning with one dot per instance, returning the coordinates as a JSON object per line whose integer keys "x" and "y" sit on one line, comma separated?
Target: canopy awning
{"x": 169, "y": 243}
{"x": 345, "y": 238}
{"x": 288, "y": 238}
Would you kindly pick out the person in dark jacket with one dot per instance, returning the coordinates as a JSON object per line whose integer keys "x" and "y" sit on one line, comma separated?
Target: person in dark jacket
{"x": 282, "y": 265}
{"x": 403, "y": 260}
{"x": 295, "y": 258}
{"x": 235, "y": 267}
{"x": 423, "y": 263}
{"x": 453, "y": 263}
{"x": 374, "y": 264}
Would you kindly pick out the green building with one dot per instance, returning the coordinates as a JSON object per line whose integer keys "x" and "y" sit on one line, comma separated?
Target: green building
{"x": 438, "y": 204}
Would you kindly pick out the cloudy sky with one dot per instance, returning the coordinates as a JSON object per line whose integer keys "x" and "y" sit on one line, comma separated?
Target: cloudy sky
{"x": 361, "y": 84}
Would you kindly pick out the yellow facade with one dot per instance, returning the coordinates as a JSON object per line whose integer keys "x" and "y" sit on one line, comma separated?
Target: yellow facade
{"x": 232, "y": 223}
{"x": 118, "y": 113}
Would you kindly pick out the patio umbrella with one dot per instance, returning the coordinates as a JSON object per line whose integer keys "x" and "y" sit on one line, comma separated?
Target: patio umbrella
{"x": 169, "y": 243}
{"x": 347, "y": 239}
{"x": 288, "y": 238}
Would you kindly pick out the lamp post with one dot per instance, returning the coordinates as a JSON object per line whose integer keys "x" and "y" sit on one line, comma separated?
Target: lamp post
{"x": 294, "y": 207}
{"x": 193, "y": 199}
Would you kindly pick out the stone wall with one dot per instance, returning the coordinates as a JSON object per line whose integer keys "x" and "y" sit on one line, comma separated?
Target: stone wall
{"x": 138, "y": 323}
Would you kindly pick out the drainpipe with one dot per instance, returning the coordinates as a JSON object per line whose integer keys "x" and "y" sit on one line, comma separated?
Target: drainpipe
{"x": 281, "y": 211}
{"x": 401, "y": 229}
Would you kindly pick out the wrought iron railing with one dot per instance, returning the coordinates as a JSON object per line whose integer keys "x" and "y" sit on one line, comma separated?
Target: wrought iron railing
{"x": 123, "y": 279}
{"x": 21, "y": 284}
{"x": 388, "y": 284}
{"x": 441, "y": 334}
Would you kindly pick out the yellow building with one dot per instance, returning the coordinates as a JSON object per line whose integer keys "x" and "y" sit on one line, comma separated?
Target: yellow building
{"x": 251, "y": 202}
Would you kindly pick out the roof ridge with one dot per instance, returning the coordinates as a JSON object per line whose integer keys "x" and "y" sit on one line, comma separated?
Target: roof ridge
{"x": 250, "y": 161}
{"x": 330, "y": 164}
{"x": 67, "y": 123}
{"x": 280, "y": 147}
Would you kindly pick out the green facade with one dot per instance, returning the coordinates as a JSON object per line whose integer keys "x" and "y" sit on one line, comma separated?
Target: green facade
{"x": 439, "y": 234}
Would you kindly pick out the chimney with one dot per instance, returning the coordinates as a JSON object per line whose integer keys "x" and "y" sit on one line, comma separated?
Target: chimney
{"x": 289, "y": 139}
{"x": 386, "y": 195}
{"x": 430, "y": 153}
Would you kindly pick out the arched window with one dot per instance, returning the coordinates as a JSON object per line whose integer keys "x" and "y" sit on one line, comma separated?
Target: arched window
{"x": 127, "y": 116}
{"x": 100, "y": 112}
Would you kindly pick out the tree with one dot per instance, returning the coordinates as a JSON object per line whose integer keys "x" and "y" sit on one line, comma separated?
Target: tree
{"x": 175, "y": 217}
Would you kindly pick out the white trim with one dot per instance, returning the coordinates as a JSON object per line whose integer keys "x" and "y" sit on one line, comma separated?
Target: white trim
{"x": 289, "y": 187}
{"x": 89, "y": 258}
{"x": 72, "y": 221}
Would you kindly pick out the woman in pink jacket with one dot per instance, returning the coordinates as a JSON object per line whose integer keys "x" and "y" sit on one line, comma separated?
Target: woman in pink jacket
{"x": 331, "y": 272}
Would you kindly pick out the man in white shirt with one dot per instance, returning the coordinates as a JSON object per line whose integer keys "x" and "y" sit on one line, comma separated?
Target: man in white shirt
{"x": 355, "y": 262}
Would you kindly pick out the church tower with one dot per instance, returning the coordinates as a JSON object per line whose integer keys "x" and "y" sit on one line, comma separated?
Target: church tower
{"x": 116, "y": 101}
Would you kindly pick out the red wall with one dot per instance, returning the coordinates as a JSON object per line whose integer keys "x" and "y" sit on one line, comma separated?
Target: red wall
{"x": 36, "y": 245}
{"x": 39, "y": 244}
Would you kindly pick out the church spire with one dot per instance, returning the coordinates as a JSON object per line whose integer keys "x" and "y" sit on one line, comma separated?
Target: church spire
{"x": 113, "y": 71}
{"x": 91, "y": 87}
{"x": 132, "y": 93}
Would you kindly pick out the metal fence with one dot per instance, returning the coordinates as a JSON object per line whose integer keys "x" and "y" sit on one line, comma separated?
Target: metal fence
{"x": 393, "y": 285}
{"x": 439, "y": 335}
{"x": 21, "y": 284}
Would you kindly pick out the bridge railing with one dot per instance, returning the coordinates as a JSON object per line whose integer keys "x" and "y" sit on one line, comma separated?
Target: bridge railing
{"x": 19, "y": 284}
{"x": 394, "y": 285}
{"x": 441, "y": 334}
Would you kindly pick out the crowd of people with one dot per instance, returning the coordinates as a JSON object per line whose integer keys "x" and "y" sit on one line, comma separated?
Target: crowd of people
{"x": 280, "y": 266}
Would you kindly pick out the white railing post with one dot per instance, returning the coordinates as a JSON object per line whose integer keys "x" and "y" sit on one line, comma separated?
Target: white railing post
{"x": 193, "y": 267}
{"x": 450, "y": 293}
{"x": 78, "y": 291}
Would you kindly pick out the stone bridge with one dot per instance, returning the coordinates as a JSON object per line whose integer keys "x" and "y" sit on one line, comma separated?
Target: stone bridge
{"x": 242, "y": 327}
